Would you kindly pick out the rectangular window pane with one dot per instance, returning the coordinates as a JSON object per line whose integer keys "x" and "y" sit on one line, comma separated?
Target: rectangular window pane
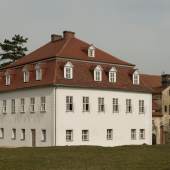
{"x": 69, "y": 103}
{"x": 43, "y": 104}
{"x": 32, "y": 104}
{"x": 115, "y": 105}
{"x": 1, "y": 133}
{"x": 13, "y": 106}
{"x": 85, "y": 135}
{"x": 133, "y": 134}
{"x": 69, "y": 135}
{"x": 43, "y": 135}
{"x": 22, "y": 134}
{"x": 101, "y": 104}
{"x": 85, "y": 104}
{"x": 13, "y": 134}
{"x": 128, "y": 106}
{"x": 109, "y": 134}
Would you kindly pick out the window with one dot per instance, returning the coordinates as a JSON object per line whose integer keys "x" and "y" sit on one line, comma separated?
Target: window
{"x": 128, "y": 106}
{"x": 109, "y": 134}
{"x": 7, "y": 79}
{"x": 100, "y": 104}
{"x": 169, "y": 92}
{"x": 13, "y": 134}
{"x": 43, "y": 135}
{"x": 112, "y": 75}
{"x": 4, "y": 104}
{"x": 43, "y": 102}
{"x": 13, "y": 106}
{"x": 68, "y": 70}
{"x": 38, "y": 72}
{"x": 32, "y": 104}
{"x": 141, "y": 106}
{"x": 98, "y": 73}
{"x": 86, "y": 104}
{"x": 1, "y": 133}
{"x": 85, "y": 135}
{"x": 169, "y": 109}
{"x": 142, "y": 134}
{"x": 22, "y": 105}
{"x": 69, "y": 103}
{"x": 133, "y": 134}
{"x": 115, "y": 105}
{"x": 91, "y": 51}
{"x": 26, "y": 76}
{"x": 136, "y": 77}
{"x": 165, "y": 108}
{"x": 22, "y": 134}
{"x": 69, "y": 135}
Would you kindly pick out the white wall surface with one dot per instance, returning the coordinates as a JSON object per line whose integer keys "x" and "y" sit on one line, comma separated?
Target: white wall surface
{"x": 97, "y": 123}
{"x": 27, "y": 120}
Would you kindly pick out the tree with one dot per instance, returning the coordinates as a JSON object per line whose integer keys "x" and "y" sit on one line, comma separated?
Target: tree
{"x": 12, "y": 49}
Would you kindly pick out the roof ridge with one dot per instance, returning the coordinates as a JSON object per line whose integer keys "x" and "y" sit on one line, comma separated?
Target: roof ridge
{"x": 65, "y": 44}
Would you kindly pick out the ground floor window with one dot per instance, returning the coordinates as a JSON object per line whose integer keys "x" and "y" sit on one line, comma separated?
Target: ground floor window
{"x": 85, "y": 135}
{"x": 69, "y": 135}
{"x": 133, "y": 134}
{"x": 1, "y": 133}
{"x": 13, "y": 134}
{"x": 109, "y": 134}
{"x": 43, "y": 135}
{"x": 142, "y": 134}
{"x": 22, "y": 134}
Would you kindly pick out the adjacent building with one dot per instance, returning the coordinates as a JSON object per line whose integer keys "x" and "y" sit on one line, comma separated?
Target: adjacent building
{"x": 69, "y": 92}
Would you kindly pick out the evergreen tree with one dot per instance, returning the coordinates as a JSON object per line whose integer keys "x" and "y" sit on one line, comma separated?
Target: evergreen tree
{"x": 12, "y": 49}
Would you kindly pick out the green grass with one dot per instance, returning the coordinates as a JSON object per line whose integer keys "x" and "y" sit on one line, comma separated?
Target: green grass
{"x": 86, "y": 158}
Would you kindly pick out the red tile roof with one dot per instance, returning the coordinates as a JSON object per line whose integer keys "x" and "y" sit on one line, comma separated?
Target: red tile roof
{"x": 56, "y": 54}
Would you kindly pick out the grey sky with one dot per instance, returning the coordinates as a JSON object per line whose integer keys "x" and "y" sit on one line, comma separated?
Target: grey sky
{"x": 134, "y": 30}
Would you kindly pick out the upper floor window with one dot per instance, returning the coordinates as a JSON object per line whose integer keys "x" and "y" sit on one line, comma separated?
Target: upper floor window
{"x": 86, "y": 104}
{"x": 141, "y": 106}
{"x": 25, "y": 75}
{"x": 7, "y": 79}
{"x": 4, "y": 106}
{"x": 69, "y": 103}
{"x": 68, "y": 70}
{"x": 136, "y": 77}
{"x": 101, "y": 104}
{"x": 22, "y": 105}
{"x": 128, "y": 106}
{"x": 13, "y": 106}
{"x": 91, "y": 51}
{"x": 43, "y": 103}
{"x": 98, "y": 73}
{"x": 32, "y": 104}
{"x": 38, "y": 72}
{"x": 165, "y": 108}
{"x": 133, "y": 134}
{"x": 112, "y": 75}
{"x": 115, "y": 105}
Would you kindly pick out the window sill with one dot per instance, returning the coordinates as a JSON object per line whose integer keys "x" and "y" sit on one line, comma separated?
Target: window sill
{"x": 13, "y": 112}
{"x": 22, "y": 112}
{"x": 69, "y": 140}
{"x": 43, "y": 140}
{"x": 22, "y": 139}
{"x": 43, "y": 111}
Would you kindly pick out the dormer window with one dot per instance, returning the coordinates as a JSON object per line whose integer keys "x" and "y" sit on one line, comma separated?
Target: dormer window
{"x": 112, "y": 75}
{"x": 91, "y": 51}
{"x": 136, "y": 77}
{"x": 98, "y": 73}
{"x": 68, "y": 70}
{"x": 38, "y": 72}
{"x": 25, "y": 75}
{"x": 7, "y": 79}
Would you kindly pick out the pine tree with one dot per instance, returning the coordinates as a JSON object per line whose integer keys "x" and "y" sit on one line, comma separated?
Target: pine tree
{"x": 12, "y": 49}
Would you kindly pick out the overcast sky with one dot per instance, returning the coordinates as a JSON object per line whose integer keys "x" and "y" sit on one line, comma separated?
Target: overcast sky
{"x": 137, "y": 31}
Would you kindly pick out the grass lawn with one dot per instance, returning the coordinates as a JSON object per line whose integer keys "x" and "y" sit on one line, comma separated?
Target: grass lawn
{"x": 86, "y": 158}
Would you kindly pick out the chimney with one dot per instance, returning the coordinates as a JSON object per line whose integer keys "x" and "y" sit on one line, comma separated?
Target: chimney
{"x": 68, "y": 34}
{"x": 165, "y": 80}
{"x": 55, "y": 37}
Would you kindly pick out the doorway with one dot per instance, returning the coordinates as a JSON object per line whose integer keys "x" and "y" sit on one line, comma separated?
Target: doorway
{"x": 33, "y": 136}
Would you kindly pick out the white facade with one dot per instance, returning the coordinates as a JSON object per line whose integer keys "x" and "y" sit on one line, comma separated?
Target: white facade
{"x": 56, "y": 120}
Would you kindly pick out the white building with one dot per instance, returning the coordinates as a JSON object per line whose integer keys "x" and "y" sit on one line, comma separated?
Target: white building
{"x": 71, "y": 93}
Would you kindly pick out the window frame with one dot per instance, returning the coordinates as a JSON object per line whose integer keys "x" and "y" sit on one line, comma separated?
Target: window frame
{"x": 85, "y": 136}
{"x": 101, "y": 105}
{"x": 22, "y": 107}
{"x": 129, "y": 106}
{"x": 69, "y": 104}
{"x": 13, "y": 106}
{"x": 86, "y": 104}
{"x": 23, "y": 134}
{"x": 109, "y": 135}
{"x": 1, "y": 133}
{"x": 43, "y": 104}
{"x": 141, "y": 106}
{"x": 32, "y": 105}
{"x": 141, "y": 134}
{"x": 43, "y": 135}
{"x": 115, "y": 105}
{"x": 133, "y": 134}
{"x": 13, "y": 137}
{"x": 69, "y": 135}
